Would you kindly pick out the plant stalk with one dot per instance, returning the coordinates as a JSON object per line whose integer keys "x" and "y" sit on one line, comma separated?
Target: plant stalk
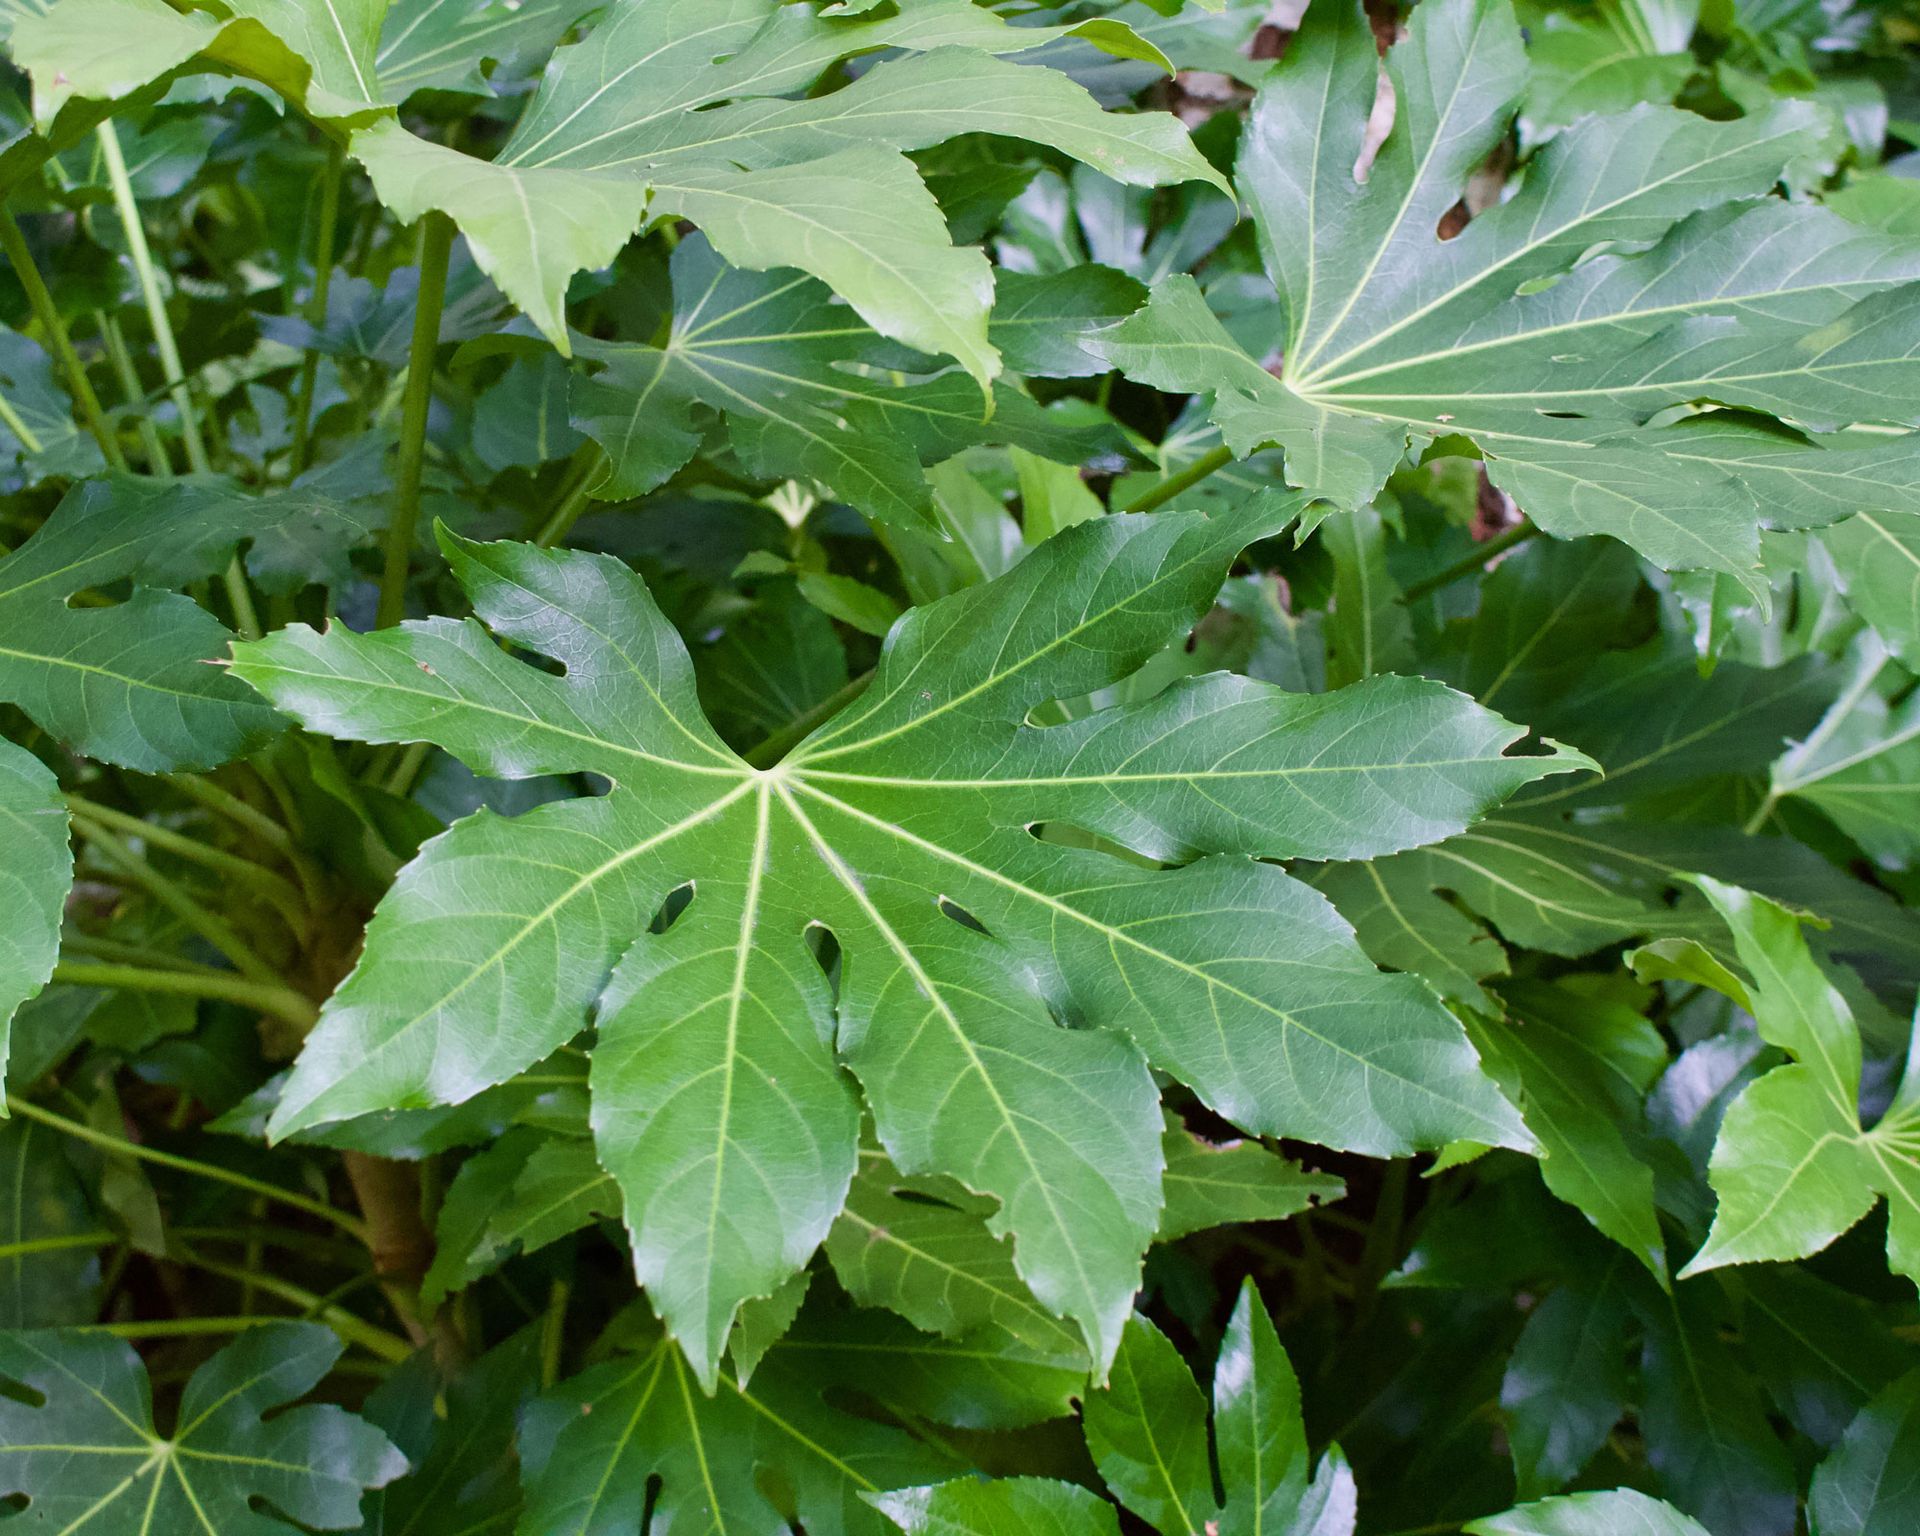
{"x": 158, "y": 464}
{"x": 218, "y": 986}
{"x": 1159, "y": 495}
{"x": 795, "y": 730}
{"x": 436, "y": 246}
{"x": 316, "y": 308}
{"x": 239, "y": 598}
{"x": 78, "y": 385}
{"x": 1466, "y": 565}
{"x": 120, "y": 1144}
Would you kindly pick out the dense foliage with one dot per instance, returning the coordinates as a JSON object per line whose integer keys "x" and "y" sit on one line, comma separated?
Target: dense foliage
{"x": 770, "y": 764}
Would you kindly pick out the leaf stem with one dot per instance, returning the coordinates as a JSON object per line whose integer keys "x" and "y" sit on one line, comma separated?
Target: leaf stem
{"x": 1467, "y": 564}
{"x": 239, "y": 598}
{"x": 218, "y": 986}
{"x": 436, "y": 246}
{"x": 351, "y": 1327}
{"x": 78, "y": 385}
{"x": 16, "y": 424}
{"x": 316, "y": 309}
{"x": 1159, "y": 495}
{"x": 576, "y": 501}
{"x": 280, "y": 892}
{"x": 210, "y": 926}
{"x": 795, "y": 730}
{"x": 106, "y": 1140}
{"x": 135, "y": 392}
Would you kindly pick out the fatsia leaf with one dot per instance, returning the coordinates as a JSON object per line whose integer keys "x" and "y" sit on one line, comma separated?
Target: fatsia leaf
{"x": 50, "y": 1239}
{"x": 128, "y": 683}
{"x": 1861, "y": 764}
{"x": 1616, "y": 1512}
{"x": 1210, "y": 1185}
{"x": 970, "y": 1507}
{"x": 675, "y": 107}
{"x": 1793, "y": 1167}
{"x": 1147, "y": 1432}
{"x": 81, "y": 1445}
{"x": 1566, "y": 1381}
{"x": 35, "y": 879}
{"x": 901, "y": 826}
{"x": 1395, "y": 334}
{"x": 589, "y": 1448}
{"x": 437, "y": 45}
{"x": 317, "y": 53}
{"x": 1866, "y": 1487}
{"x": 1878, "y": 556}
{"x": 798, "y": 377}
{"x": 922, "y": 1248}
{"x": 1578, "y": 1066}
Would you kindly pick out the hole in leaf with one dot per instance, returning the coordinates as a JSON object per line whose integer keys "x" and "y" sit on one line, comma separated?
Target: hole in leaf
{"x": 824, "y": 946}
{"x": 677, "y": 902}
{"x": 952, "y": 909}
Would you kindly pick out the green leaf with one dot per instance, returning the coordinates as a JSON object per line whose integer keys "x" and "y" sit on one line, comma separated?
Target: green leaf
{"x": 1209, "y": 1185}
{"x": 1878, "y": 556}
{"x": 800, "y": 382}
{"x": 1861, "y": 764}
{"x": 458, "y": 1435}
{"x": 696, "y": 129}
{"x": 1497, "y": 333}
{"x": 719, "y": 1104}
{"x": 921, "y": 1246}
{"x": 83, "y": 1445}
{"x": 1706, "y": 1430}
{"x": 969, "y": 1507}
{"x": 50, "y": 1240}
{"x": 1147, "y": 1431}
{"x": 435, "y": 45}
{"x": 318, "y": 53}
{"x": 1566, "y": 1382}
{"x": 128, "y": 683}
{"x": 1259, "y": 1437}
{"x": 1866, "y": 1487}
{"x": 1579, "y": 1066}
{"x": 589, "y": 1448}
{"x": 36, "y": 878}
{"x": 1616, "y": 1512}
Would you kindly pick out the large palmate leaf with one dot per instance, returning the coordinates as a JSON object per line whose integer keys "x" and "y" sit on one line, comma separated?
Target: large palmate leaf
{"x": 677, "y": 108}
{"x": 807, "y": 390}
{"x": 1616, "y": 1512}
{"x": 1396, "y": 335}
{"x": 902, "y": 826}
{"x": 589, "y": 1449}
{"x": 81, "y": 1447}
{"x": 1793, "y": 1167}
{"x": 128, "y": 682}
{"x": 35, "y": 879}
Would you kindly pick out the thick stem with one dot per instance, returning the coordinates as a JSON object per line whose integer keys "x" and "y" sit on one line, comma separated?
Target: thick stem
{"x": 239, "y": 598}
{"x": 78, "y": 385}
{"x": 436, "y": 245}
{"x": 316, "y": 310}
{"x": 1174, "y": 484}
{"x": 218, "y": 986}
{"x": 111, "y": 1143}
